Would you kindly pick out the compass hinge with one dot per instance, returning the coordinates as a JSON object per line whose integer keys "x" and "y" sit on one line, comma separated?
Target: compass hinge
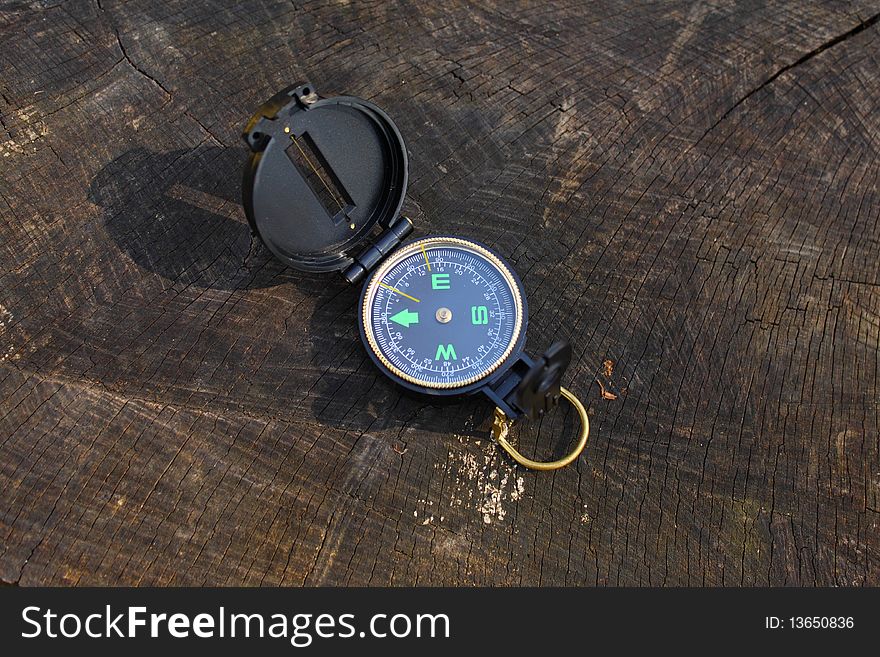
{"x": 389, "y": 240}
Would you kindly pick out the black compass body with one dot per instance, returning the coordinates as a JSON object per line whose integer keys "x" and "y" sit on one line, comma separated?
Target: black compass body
{"x": 443, "y": 315}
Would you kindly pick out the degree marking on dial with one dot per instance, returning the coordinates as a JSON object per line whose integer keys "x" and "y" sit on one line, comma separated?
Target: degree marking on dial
{"x": 425, "y": 253}
{"x": 394, "y": 289}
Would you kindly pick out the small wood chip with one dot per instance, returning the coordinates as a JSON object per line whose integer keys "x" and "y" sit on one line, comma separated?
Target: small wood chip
{"x": 606, "y": 394}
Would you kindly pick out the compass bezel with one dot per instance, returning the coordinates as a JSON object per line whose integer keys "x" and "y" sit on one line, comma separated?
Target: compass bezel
{"x": 472, "y": 383}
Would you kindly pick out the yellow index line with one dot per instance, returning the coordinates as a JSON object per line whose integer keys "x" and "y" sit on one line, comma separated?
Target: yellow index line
{"x": 394, "y": 289}
{"x": 425, "y": 253}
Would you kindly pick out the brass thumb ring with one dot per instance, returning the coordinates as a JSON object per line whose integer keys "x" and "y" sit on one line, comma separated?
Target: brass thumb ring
{"x": 499, "y": 432}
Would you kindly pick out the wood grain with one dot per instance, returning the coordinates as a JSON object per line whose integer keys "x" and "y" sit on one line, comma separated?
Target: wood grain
{"x": 688, "y": 190}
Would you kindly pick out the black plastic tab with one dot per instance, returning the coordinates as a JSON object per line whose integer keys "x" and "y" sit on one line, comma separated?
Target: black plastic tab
{"x": 538, "y": 392}
{"x": 323, "y": 173}
{"x": 531, "y": 388}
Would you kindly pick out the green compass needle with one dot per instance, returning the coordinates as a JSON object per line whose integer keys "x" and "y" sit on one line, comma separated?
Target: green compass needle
{"x": 405, "y": 317}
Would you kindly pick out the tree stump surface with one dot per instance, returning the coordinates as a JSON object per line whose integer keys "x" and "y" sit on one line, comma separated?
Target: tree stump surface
{"x": 689, "y": 192}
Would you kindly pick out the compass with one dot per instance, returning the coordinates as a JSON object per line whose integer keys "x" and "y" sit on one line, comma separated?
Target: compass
{"x": 442, "y": 313}
{"x": 442, "y": 316}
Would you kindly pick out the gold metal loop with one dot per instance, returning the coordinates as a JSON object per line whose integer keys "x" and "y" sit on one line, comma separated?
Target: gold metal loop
{"x": 501, "y": 424}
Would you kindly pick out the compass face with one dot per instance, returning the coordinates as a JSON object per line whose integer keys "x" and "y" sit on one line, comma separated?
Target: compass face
{"x": 442, "y": 312}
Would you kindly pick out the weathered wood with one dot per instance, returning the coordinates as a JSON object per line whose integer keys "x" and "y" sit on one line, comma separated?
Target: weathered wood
{"x": 689, "y": 191}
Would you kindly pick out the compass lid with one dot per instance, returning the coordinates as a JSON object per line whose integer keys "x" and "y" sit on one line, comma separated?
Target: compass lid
{"x": 323, "y": 173}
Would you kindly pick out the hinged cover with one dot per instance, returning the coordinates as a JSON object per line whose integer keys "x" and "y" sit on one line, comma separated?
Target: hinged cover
{"x": 323, "y": 173}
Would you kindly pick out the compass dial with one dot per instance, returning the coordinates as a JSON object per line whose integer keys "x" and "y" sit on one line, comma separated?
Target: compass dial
{"x": 442, "y": 312}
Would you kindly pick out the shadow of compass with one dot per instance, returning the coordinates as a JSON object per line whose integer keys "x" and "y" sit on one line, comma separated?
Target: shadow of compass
{"x": 178, "y": 214}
